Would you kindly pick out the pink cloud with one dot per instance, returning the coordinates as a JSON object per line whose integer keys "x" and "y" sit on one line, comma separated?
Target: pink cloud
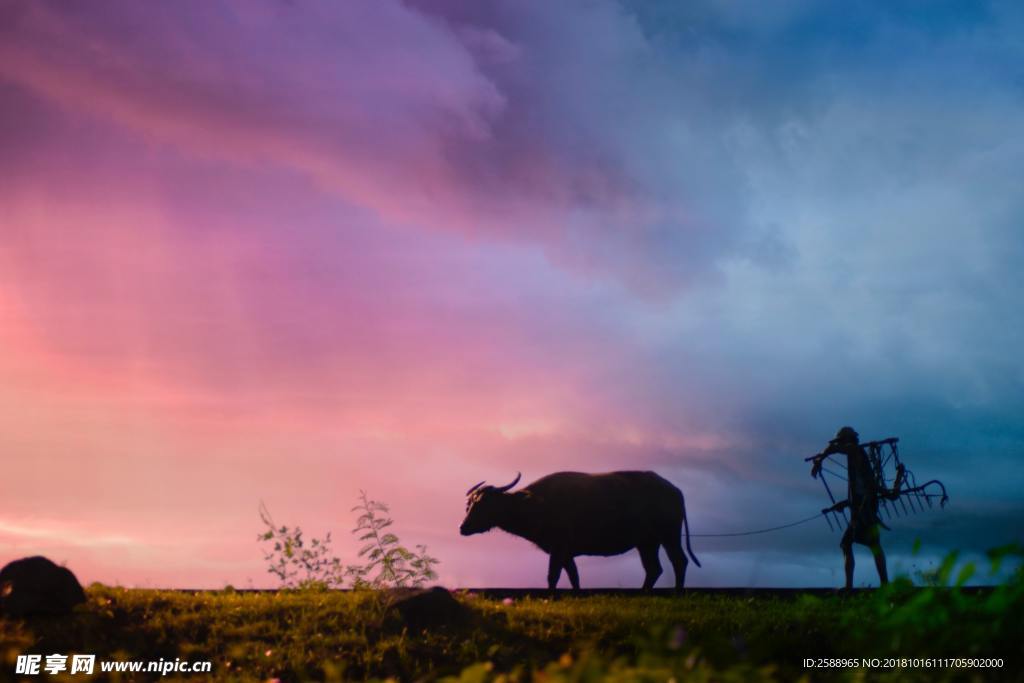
{"x": 315, "y": 97}
{"x": 263, "y": 268}
{"x": 159, "y": 382}
{"x": 454, "y": 127}
{"x": 171, "y": 357}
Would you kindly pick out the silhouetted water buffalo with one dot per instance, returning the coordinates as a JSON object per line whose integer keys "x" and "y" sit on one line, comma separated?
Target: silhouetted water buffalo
{"x": 570, "y": 513}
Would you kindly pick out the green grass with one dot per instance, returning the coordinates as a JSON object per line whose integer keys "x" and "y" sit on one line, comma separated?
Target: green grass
{"x": 326, "y": 635}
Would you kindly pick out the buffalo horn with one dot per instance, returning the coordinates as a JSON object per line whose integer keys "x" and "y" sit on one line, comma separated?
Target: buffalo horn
{"x": 475, "y": 487}
{"x": 514, "y": 482}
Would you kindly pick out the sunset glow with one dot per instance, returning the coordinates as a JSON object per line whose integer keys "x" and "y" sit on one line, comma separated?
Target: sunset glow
{"x": 285, "y": 252}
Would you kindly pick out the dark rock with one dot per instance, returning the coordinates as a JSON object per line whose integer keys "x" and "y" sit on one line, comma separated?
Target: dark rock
{"x": 35, "y": 585}
{"x": 421, "y": 609}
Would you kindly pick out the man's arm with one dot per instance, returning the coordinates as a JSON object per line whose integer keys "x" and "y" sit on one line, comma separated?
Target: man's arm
{"x": 817, "y": 459}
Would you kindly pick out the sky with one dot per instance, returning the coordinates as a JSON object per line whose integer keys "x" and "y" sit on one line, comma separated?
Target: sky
{"x": 283, "y": 252}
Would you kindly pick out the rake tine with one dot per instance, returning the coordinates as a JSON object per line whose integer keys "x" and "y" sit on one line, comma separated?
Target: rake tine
{"x": 904, "y": 504}
{"x": 910, "y": 502}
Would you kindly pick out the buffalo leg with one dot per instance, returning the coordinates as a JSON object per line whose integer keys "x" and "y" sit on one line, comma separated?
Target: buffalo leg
{"x": 652, "y": 565}
{"x": 677, "y": 557}
{"x": 574, "y": 574}
{"x": 554, "y": 571}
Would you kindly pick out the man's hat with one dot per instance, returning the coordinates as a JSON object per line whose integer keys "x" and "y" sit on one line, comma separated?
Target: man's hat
{"x": 847, "y": 434}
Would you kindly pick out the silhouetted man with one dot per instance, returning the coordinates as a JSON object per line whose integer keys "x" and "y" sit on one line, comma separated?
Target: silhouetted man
{"x": 862, "y": 499}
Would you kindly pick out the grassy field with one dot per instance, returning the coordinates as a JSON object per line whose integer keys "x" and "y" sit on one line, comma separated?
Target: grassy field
{"x": 331, "y": 635}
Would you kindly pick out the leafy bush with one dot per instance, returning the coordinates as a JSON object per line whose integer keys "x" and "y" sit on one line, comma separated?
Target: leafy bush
{"x": 391, "y": 563}
{"x": 298, "y": 564}
{"x": 388, "y": 564}
{"x": 944, "y": 617}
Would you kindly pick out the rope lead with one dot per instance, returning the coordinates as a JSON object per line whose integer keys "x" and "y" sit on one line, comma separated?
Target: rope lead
{"x": 758, "y": 531}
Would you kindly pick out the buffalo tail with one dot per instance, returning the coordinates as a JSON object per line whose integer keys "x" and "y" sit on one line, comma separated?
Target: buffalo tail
{"x": 686, "y": 526}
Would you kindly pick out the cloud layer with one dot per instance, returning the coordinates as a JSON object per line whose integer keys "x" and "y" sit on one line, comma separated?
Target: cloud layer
{"x": 285, "y": 253}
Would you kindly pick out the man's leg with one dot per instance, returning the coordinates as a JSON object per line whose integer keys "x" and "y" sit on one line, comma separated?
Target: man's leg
{"x": 876, "y": 550}
{"x": 847, "y": 545}
{"x": 883, "y": 576}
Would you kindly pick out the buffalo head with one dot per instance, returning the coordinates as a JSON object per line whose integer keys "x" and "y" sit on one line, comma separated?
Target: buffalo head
{"x": 483, "y": 507}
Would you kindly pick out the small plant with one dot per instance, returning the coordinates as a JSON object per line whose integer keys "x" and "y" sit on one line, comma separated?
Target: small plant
{"x": 296, "y": 563}
{"x": 933, "y": 619}
{"x": 388, "y": 564}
